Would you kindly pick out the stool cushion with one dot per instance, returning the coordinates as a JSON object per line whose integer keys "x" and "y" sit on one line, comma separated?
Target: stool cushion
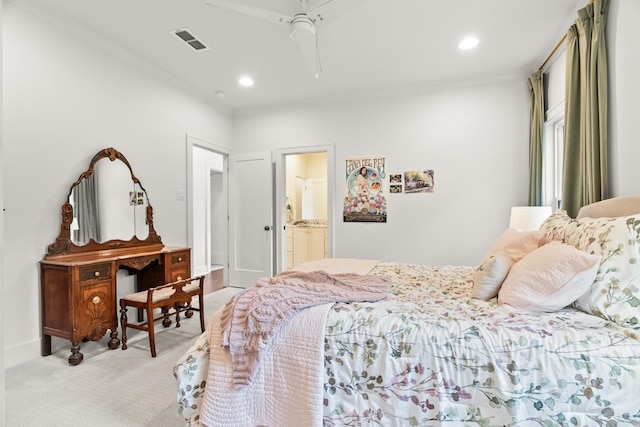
{"x": 160, "y": 294}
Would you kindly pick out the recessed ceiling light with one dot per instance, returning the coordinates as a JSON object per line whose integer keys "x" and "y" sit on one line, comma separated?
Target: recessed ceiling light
{"x": 468, "y": 43}
{"x": 246, "y": 81}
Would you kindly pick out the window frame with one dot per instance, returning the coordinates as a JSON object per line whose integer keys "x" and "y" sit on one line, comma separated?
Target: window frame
{"x": 553, "y": 155}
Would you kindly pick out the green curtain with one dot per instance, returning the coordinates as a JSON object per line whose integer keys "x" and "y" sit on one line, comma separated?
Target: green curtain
{"x": 536, "y": 98}
{"x": 585, "y": 140}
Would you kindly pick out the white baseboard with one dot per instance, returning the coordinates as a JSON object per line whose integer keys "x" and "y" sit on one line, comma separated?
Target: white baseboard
{"x": 21, "y": 353}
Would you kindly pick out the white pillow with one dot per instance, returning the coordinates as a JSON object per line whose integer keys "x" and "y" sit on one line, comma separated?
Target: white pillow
{"x": 615, "y": 293}
{"x": 549, "y": 278}
{"x": 488, "y": 276}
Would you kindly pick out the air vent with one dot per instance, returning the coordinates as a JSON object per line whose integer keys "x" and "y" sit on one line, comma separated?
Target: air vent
{"x": 190, "y": 39}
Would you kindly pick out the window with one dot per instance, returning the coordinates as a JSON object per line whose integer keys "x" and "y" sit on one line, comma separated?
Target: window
{"x": 558, "y": 149}
{"x": 553, "y": 154}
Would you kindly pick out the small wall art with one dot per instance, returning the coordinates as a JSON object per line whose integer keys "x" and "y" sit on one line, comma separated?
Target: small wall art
{"x": 395, "y": 183}
{"x": 419, "y": 181}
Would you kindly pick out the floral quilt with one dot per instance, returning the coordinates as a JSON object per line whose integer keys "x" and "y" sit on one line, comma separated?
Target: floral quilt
{"x": 430, "y": 355}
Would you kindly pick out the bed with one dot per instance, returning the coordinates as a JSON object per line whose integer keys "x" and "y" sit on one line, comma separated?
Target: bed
{"x": 543, "y": 331}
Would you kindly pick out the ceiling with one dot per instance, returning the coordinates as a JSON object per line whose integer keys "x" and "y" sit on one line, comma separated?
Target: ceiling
{"x": 365, "y": 46}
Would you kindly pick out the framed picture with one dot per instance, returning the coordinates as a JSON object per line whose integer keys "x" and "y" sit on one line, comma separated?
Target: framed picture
{"x": 364, "y": 199}
{"x": 419, "y": 181}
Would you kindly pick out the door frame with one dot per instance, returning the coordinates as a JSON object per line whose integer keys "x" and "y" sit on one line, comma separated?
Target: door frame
{"x": 191, "y": 142}
{"x": 280, "y": 260}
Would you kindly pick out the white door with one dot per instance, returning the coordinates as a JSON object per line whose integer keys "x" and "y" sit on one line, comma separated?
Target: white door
{"x": 250, "y": 218}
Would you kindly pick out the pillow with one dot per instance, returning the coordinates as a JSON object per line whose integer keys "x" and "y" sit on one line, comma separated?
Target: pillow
{"x": 488, "y": 276}
{"x": 516, "y": 244}
{"x": 549, "y": 278}
{"x": 615, "y": 293}
{"x": 555, "y": 225}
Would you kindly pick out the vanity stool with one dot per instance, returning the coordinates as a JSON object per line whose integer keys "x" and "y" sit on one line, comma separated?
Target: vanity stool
{"x": 172, "y": 298}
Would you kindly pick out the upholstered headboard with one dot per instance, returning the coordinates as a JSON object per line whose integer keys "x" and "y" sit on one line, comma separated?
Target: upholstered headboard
{"x": 616, "y": 206}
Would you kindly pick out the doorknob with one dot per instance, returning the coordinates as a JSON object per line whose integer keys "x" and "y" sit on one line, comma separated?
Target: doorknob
{"x": 267, "y": 227}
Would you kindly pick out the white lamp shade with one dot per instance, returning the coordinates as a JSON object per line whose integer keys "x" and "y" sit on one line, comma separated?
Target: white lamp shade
{"x": 528, "y": 218}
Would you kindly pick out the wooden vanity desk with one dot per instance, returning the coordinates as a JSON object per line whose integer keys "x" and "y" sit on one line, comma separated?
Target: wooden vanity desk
{"x": 78, "y": 279}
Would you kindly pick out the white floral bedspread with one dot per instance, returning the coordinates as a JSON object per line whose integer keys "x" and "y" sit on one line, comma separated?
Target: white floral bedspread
{"x": 430, "y": 355}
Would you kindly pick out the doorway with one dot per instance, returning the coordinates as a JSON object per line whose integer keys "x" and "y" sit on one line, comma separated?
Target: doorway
{"x": 207, "y": 212}
{"x": 305, "y": 207}
{"x": 217, "y": 243}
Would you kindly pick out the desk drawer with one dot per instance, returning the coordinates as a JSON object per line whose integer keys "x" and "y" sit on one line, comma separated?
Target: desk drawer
{"x": 179, "y": 274}
{"x": 179, "y": 259}
{"x": 95, "y": 272}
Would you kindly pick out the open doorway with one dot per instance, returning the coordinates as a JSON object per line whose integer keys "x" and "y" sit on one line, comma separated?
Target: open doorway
{"x": 306, "y": 208}
{"x": 207, "y": 208}
{"x": 217, "y": 243}
{"x": 304, "y": 205}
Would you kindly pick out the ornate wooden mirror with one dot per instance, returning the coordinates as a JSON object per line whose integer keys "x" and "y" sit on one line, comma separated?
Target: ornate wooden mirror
{"x": 106, "y": 208}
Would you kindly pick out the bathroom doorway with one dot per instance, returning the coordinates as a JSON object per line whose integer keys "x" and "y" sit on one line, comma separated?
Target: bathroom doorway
{"x": 306, "y": 201}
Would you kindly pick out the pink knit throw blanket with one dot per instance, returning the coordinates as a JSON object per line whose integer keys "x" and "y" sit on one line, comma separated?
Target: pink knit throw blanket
{"x": 252, "y": 318}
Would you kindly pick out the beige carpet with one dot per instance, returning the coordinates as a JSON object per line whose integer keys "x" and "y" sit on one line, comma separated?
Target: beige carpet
{"x": 110, "y": 387}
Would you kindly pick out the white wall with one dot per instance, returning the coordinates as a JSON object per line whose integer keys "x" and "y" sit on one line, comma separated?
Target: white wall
{"x": 3, "y": 410}
{"x": 475, "y": 139}
{"x": 624, "y": 93}
{"x": 64, "y": 100}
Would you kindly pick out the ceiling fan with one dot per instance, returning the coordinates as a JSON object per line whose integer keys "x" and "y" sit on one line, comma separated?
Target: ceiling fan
{"x": 302, "y": 25}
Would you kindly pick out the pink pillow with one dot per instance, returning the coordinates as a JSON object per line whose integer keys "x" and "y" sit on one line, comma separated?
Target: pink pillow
{"x": 516, "y": 244}
{"x": 549, "y": 278}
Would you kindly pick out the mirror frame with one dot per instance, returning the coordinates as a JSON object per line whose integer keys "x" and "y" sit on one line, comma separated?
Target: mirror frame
{"x": 64, "y": 245}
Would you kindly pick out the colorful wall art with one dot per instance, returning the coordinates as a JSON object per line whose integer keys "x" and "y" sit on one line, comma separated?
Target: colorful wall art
{"x": 364, "y": 199}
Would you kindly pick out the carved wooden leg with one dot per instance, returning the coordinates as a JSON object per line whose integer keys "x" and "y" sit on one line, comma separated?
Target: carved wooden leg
{"x": 178, "y": 309}
{"x": 76, "y": 357}
{"x": 114, "y": 342}
{"x": 123, "y": 323}
{"x": 189, "y": 312}
{"x": 166, "y": 322}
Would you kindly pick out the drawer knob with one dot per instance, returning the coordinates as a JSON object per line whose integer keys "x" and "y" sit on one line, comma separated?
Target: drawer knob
{"x": 97, "y": 274}
{"x": 180, "y": 259}
{"x": 96, "y": 299}
{"x": 179, "y": 278}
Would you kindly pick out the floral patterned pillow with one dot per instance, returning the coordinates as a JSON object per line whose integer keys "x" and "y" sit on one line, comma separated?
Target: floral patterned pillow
{"x": 555, "y": 225}
{"x": 615, "y": 293}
